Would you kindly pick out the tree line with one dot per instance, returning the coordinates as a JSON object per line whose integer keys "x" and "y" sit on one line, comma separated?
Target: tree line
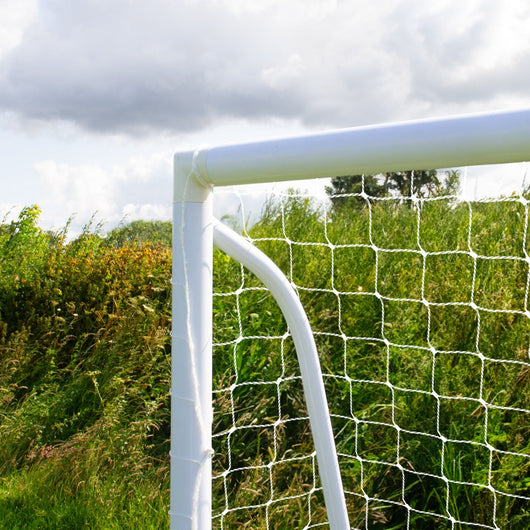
{"x": 422, "y": 183}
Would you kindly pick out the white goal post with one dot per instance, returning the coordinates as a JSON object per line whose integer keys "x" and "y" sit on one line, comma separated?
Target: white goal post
{"x": 494, "y": 138}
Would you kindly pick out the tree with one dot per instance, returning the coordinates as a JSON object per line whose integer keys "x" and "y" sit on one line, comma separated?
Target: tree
{"x": 354, "y": 184}
{"x": 421, "y": 183}
{"x": 156, "y": 232}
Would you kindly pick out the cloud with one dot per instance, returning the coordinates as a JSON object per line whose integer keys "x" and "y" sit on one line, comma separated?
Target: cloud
{"x": 110, "y": 67}
{"x": 475, "y": 54}
{"x": 15, "y": 17}
{"x": 140, "y": 188}
{"x": 9, "y": 212}
{"x": 180, "y": 66}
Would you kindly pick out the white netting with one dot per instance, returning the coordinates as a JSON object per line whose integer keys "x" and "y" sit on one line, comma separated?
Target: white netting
{"x": 420, "y": 312}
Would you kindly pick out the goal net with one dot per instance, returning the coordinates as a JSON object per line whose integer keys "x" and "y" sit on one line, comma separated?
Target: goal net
{"x": 418, "y": 304}
{"x": 419, "y": 308}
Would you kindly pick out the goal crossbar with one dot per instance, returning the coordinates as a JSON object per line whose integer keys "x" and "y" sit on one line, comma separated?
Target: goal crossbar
{"x": 453, "y": 142}
{"x": 478, "y": 139}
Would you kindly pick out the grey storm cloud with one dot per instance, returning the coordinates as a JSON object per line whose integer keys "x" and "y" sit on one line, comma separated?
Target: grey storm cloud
{"x": 179, "y": 66}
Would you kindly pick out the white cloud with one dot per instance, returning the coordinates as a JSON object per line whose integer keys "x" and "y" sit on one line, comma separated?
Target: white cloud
{"x": 470, "y": 55}
{"x": 9, "y": 212}
{"x": 131, "y": 212}
{"x": 181, "y": 66}
{"x": 16, "y": 16}
{"x": 284, "y": 75}
{"x": 139, "y": 188}
{"x": 489, "y": 181}
{"x": 104, "y": 92}
{"x": 81, "y": 190}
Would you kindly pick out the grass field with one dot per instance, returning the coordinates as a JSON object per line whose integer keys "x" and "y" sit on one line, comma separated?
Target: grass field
{"x": 421, "y": 321}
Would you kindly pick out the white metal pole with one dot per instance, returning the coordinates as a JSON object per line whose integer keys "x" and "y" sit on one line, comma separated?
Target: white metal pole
{"x": 191, "y": 373}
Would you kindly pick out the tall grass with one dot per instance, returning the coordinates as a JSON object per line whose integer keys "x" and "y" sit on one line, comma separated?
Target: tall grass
{"x": 84, "y": 364}
{"x": 85, "y": 354}
{"x": 429, "y": 401}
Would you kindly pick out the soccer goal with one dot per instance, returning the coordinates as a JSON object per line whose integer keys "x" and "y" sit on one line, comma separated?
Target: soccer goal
{"x": 359, "y": 359}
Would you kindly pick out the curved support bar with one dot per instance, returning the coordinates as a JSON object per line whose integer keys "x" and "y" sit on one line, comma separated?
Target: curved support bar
{"x": 272, "y": 277}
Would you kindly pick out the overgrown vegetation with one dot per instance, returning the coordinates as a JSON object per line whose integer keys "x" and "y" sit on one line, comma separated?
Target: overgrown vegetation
{"x": 85, "y": 354}
{"x": 84, "y": 375}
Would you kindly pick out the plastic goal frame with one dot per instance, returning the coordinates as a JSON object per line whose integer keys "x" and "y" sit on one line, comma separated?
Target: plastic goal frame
{"x": 493, "y": 138}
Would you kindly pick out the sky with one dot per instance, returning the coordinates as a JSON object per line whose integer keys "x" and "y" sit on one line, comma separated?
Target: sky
{"x": 97, "y": 95}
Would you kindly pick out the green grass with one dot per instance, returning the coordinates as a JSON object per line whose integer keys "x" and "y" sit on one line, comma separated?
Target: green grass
{"x": 85, "y": 363}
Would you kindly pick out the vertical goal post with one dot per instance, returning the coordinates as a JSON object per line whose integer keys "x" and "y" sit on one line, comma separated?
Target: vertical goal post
{"x": 494, "y": 138}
